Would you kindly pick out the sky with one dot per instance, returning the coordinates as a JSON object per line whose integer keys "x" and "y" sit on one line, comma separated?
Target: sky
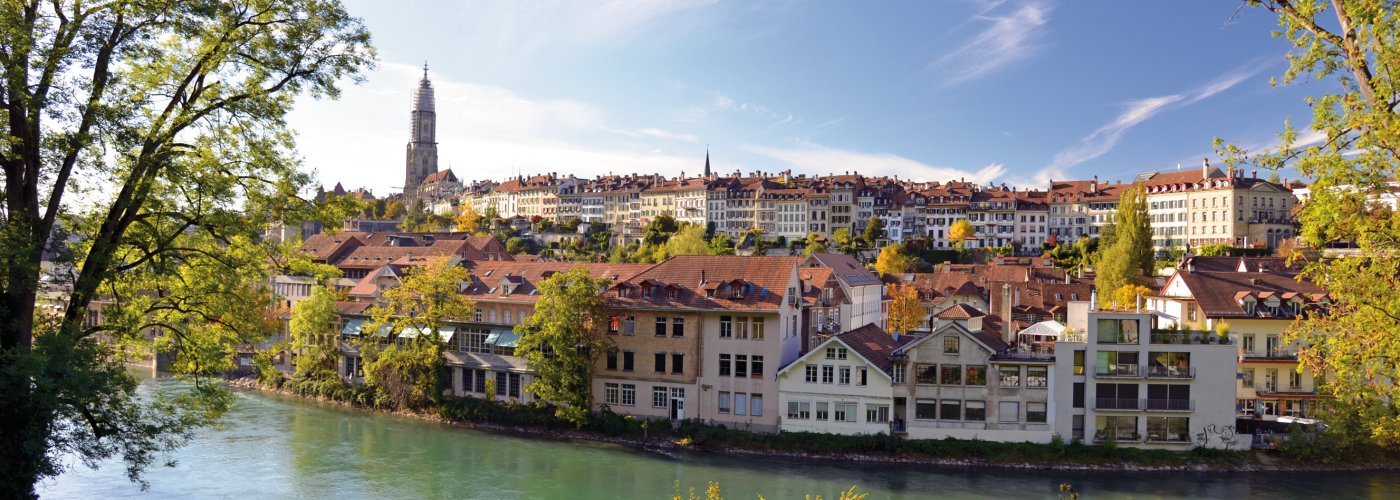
{"x": 1016, "y": 92}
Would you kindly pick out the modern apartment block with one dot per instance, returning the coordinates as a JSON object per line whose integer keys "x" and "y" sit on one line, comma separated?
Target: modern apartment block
{"x": 1124, "y": 381}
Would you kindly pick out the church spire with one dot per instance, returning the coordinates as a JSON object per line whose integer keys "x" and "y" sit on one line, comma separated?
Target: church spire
{"x": 422, "y": 142}
{"x": 707, "y": 161}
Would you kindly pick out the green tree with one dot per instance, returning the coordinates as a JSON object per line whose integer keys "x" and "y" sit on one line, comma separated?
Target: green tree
{"x": 394, "y": 210}
{"x": 813, "y": 245}
{"x": 420, "y": 219}
{"x": 1129, "y": 257}
{"x": 844, "y": 242}
{"x": 721, "y": 245}
{"x": 660, "y": 228}
{"x": 689, "y": 240}
{"x": 407, "y": 371}
{"x": 178, "y": 108}
{"x": 313, "y": 331}
{"x": 1350, "y": 46}
{"x": 874, "y": 229}
{"x": 562, "y": 339}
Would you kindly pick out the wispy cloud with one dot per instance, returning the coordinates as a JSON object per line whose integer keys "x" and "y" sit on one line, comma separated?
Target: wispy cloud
{"x": 1007, "y": 39}
{"x": 819, "y": 159}
{"x": 658, "y": 134}
{"x": 1106, "y": 137}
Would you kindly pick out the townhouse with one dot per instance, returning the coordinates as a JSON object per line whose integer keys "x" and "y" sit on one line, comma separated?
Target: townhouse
{"x": 842, "y": 386}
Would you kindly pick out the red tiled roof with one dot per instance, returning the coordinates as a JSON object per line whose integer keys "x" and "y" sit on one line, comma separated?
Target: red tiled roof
{"x": 874, "y": 344}
{"x": 1219, "y": 293}
{"x": 521, "y": 279}
{"x": 764, "y": 281}
{"x": 960, "y": 311}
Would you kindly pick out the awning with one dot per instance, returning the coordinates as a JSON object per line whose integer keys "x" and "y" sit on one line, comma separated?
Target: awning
{"x": 352, "y": 326}
{"x": 446, "y": 333}
{"x": 382, "y": 331}
{"x": 410, "y": 332}
{"x": 501, "y": 337}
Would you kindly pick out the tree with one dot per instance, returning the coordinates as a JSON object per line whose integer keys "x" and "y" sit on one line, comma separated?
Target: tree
{"x": 1351, "y": 44}
{"x": 814, "y": 245}
{"x": 844, "y": 242}
{"x": 959, "y": 232}
{"x": 874, "y": 229}
{"x": 906, "y": 313}
{"x": 660, "y": 228}
{"x": 394, "y": 210}
{"x": 689, "y": 240}
{"x": 721, "y": 245}
{"x": 1126, "y": 297}
{"x": 892, "y": 260}
{"x": 468, "y": 221}
{"x": 420, "y": 219}
{"x": 562, "y": 340}
{"x": 407, "y": 370}
{"x": 1130, "y": 255}
{"x": 313, "y": 331}
{"x": 178, "y": 108}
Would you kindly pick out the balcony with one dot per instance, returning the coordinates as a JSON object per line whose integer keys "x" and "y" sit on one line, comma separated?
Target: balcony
{"x": 1171, "y": 405}
{"x": 1179, "y": 372}
{"x": 1117, "y": 404}
{"x": 1272, "y": 355}
{"x": 1117, "y": 371}
{"x": 1185, "y": 337}
{"x": 1105, "y": 435}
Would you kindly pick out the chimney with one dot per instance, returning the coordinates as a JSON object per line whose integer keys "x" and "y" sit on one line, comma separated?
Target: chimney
{"x": 1205, "y": 168}
{"x": 1254, "y": 172}
{"x": 1006, "y": 311}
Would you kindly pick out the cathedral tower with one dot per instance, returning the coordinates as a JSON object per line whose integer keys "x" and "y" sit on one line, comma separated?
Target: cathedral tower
{"x": 422, "y": 144}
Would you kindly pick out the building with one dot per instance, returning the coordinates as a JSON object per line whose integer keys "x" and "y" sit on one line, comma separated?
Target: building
{"x": 843, "y": 386}
{"x": 841, "y": 296}
{"x": 1124, "y": 382}
{"x": 1206, "y": 207}
{"x": 422, "y": 157}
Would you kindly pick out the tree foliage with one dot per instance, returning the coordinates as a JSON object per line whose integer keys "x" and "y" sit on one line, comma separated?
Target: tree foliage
{"x": 844, "y": 242}
{"x": 813, "y": 244}
{"x": 468, "y": 221}
{"x": 1351, "y": 46}
{"x": 689, "y": 240}
{"x": 165, "y": 119}
{"x": 959, "y": 232}
{"x": 906, "y": 313}
{"x": 313, "y": 332}
{"x": 408, "y": 369}
{"x": 1129, "y": 256}
{"x": 874, "y": 230}
{"x": 561, "y": 340}
{"x": 892, "y": 260}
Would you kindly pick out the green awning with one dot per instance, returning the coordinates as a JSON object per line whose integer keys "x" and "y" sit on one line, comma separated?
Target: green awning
{"x": 446, "y": 333}
{"x": 410, "y": 332}
{"x": 352, "y": 326}
{"x": 501, "y": 337}
{"x": 383, "y": 331}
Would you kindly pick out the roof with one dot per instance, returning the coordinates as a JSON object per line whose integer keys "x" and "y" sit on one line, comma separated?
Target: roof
{"x": 872, "y": 343}
{"x": 845, "y": 268}
{"x": 1219, "y": 293}
{"x": 518, "y": 281}
{"x": 960, "y": 311}
{"x": 706, "y": 282}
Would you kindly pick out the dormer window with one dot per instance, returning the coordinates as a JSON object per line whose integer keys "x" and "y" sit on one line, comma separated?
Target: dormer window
{"x": 1249, "y": 304}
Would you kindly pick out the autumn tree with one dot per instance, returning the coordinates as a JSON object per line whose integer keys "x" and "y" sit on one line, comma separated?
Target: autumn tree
{"x": 562, "y": 340}
{"x": 407, "y": 369}
{"x": 468, "y": 221}
{"x": 813, "y": 245}
{"x": 1129, "y": 257}
{"x": 906, "y": 313}
{"x": 154, "y": 131}
{"x": 313, "y": 332}
{"x": 893, "y": 261}
{"x": 959, "y": 232}
{"x": 1350, "y": 47}
{"x": 844, "y": 242}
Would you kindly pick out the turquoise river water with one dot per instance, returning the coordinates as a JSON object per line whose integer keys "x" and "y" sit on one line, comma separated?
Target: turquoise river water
{"x": 281, "y": 447}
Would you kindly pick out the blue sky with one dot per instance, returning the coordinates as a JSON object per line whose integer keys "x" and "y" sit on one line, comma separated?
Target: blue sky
{"x": 1011, "y": 91}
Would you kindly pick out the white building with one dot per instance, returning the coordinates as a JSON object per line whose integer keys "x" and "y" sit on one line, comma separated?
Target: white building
{"x": 841, "y": 387}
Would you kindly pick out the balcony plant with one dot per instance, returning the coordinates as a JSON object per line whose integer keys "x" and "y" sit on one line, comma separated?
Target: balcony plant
{"x": 1222, "y": 329}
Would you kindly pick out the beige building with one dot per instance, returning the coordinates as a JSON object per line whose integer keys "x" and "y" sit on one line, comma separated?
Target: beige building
{"x": 842, "y": 386}
{"x": 1207, "y": 206}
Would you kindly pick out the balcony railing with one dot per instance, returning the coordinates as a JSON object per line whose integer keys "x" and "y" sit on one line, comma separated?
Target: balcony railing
{"x": 1104, "y": 435}
{"x": 1171, "y": 405}
{"x": 1118, "y": 370}
{"x": 1187, "y": 337}
{"x": 1171, "y": 372}
{"x": 1276, "y": 354}
{"x": 1117, "y": 404}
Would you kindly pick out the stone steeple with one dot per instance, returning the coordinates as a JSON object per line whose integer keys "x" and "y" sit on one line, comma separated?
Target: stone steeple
{"x": 422, "y": 158}
{"x": 707, "y": 162}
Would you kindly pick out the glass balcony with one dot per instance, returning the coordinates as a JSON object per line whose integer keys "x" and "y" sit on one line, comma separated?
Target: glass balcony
{"x": 1117, "y": 404}
{"x": 1186, "y": 372}
{"x": 1171, "y": 405}
{"x": 1125, "y": 370}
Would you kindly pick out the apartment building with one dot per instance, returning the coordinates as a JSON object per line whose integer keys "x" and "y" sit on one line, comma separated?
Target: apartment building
{"x": 1123, "y": 381}
{"x": 843, "y": 386}
{"x": 841, "y": 295}
{"x": 1207, "y": 206}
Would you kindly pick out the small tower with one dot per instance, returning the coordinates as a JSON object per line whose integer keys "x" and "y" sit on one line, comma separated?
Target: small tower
{"x": 422, "y": 159}
{"x": 707, "y": 162}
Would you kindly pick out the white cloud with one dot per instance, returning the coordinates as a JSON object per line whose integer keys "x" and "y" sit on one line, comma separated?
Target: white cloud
{"x": 822, "y": 160}
{"x": 1008, "y": 38}
{"x": 482, "y": 132}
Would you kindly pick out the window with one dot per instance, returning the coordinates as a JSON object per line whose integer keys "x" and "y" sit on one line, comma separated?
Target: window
{"x": 1010, "y": 376}
{"x": 811, "y": 372}
{"x": 660, "y": 397}
{"x": 677, "y": 327}
{"x": 950, "y": 375}
{"x": 1247, "y": 377}
{"x": 1078, "y": 397}
{"x": 614, "y": 323}
{"x": 1245, "y": 406}
{"x": 1076, "y": 427}
{"x": 950, "y": 344}
{"x": 354, "y": 367}
{"x": 925, "y": 374}
{"x": 1035, "y": 413}
{"x": 741, "y": 330}
{"x": 724, "y": 402}
{"x": 1173, "y": 397}
{"x": 480, "y": 382}
{"x": 828, "y": 374}
{"x": 823, "y": 411}
{"x": 1008, "y": 411}
{"x": 629, "y": 395}
{"x": 845, "y": 412}
{"x": 836, "y": 353}
{"x": 976, "y": 375}
{"x": 925, "y": 410}
{"x": 877, "y": 414}
{"x": 677, "y": 364}
{"x": 1295, "y": 380}
{"x": 660, "y": 362}
{"x": 629, "y": 325}
{"x": 976, "y": 411}
{"x": 843, "y": 375}
{"x": 861, "y": 374}
{"x": 1169, "y": 364}
{"x": 1117, "y": 331}
{"x": 756, "y": 405}
{"x": 950, "y": 409}
{"x": 660, "y": 327}
{"x": 1037, "y": 376}
{"x": 757, "y": 333}
{"x": 1172, "y": 429}
{"x": 726, "y": 327}
{"x": 802, "y": 410}
{"x": 1118, "y": 428}
{"x": 756, "y": 366}
{"x": 1116, "y": 397}
{"x": 1116, "y": 363}
{"x": 739, "y": 402}
{"x": 898, "y": 370}
{"x": 611, "y": 393}
{"x": 627, "y": 361}
{"x": 724, "y": 365}
{"x": 741, "y": 365}
{"x": 1079, "y": 362}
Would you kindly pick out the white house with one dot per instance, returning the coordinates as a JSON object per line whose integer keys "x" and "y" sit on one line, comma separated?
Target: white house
{"x": 840, "y": 387}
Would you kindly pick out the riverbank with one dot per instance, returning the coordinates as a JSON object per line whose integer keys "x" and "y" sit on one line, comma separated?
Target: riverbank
{"x": 661, "y": 436}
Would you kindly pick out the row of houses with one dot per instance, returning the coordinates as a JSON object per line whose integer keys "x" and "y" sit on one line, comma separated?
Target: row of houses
{"x": 1187, "y": 207}
{"x": 771, "y": 344}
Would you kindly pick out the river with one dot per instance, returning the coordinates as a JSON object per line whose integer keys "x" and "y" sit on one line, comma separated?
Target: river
{"x": 277, "y": 447}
